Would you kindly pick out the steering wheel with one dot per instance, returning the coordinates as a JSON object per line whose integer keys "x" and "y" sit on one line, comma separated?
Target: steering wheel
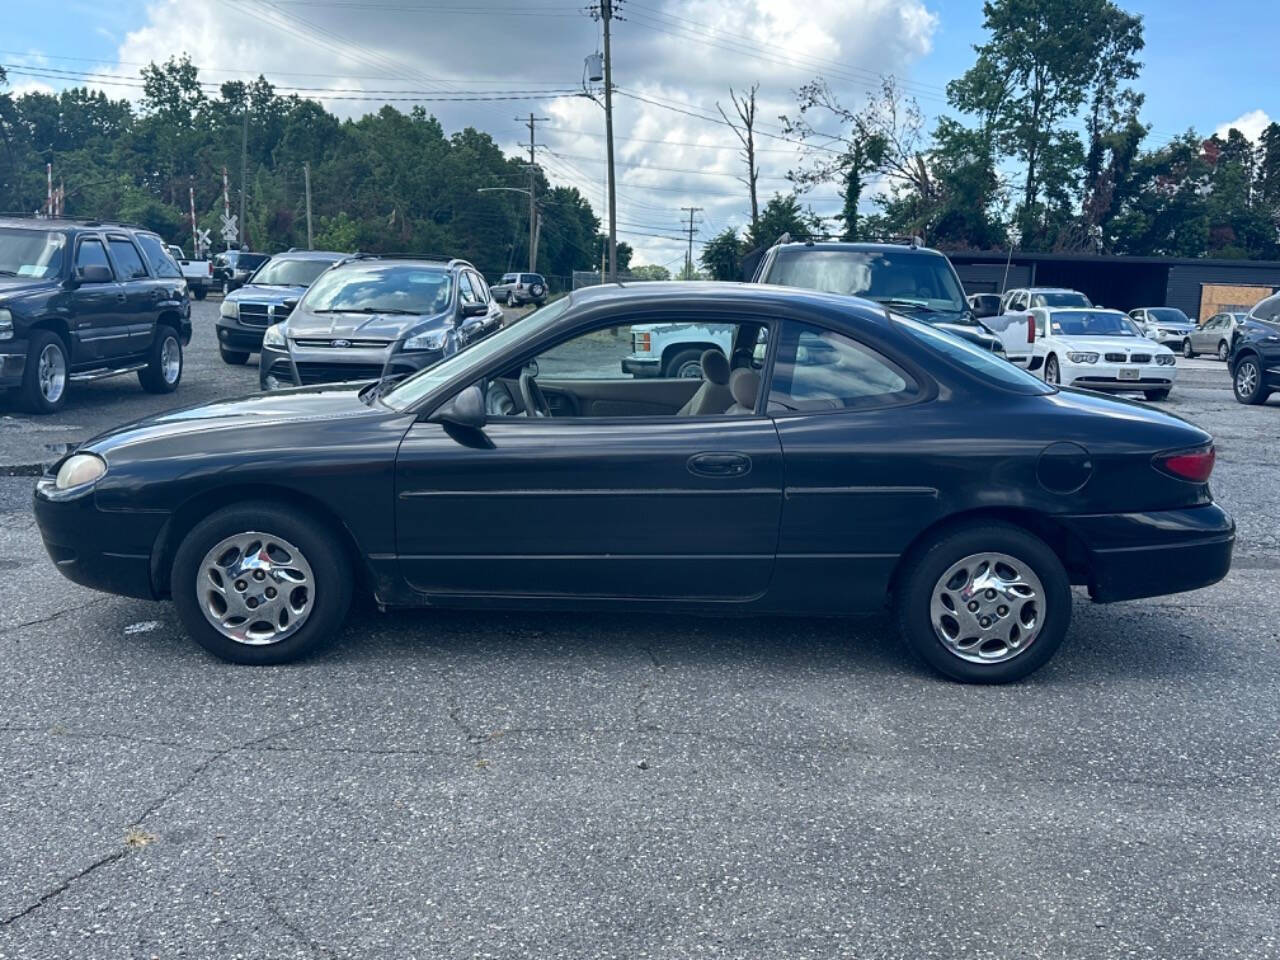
{"x": 535, "y": 401}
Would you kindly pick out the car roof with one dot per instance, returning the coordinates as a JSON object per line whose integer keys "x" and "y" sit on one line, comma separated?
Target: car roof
{"x": 859, "y": 247}
{"x": 70, "y": 223}
{"x": 330, "y": 255}
{"x": 762, "y": 295}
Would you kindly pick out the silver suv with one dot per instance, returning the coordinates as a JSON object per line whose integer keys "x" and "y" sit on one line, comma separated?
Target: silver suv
{"x": 517, "y": 288}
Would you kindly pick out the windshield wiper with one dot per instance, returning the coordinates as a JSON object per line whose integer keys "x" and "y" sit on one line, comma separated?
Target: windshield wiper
{"x": 391, "y": 311}
{"x": 8, "y": 273}
{"x": 912, "y": 304}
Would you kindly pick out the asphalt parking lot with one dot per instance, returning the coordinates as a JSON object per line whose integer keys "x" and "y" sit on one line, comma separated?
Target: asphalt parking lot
{"x": 445, "y": 785}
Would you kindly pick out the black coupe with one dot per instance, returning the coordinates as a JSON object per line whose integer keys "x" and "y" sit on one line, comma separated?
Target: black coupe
{"x": 837, "y": 457}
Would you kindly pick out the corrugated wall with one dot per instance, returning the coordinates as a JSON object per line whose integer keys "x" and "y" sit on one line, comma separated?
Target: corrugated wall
{"x": 989, "y": 277}
{"x": 1185, "y": 282}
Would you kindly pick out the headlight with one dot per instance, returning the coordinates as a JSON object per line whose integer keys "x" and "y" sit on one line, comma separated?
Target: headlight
{"x": 431, "y": 340}
{"x": 1082, "y": 357}
{"x": 1166, "y": 359}
{"x": 274, "y": 337}
{"x": 230, "y": 308}
{"x": 78, "y": 470}
{"x": 6, "y": 325}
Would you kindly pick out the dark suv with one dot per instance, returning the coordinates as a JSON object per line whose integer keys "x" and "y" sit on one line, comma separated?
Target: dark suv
{"x": 904, "y": 277}
{"x": 378, "y": 315}
{"x": 267, "y": 298}
{"x": 1255, "y": 353}
{"x": 83, "y": 299}
{"x": 233, "y": 268}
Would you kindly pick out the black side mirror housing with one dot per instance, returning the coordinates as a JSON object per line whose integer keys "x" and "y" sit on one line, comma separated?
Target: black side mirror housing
{"x": 474, "y": 309}
{"x": 290, "y": 303}
{"x": 466, "y": 409}
{"x": 92, "y": 273}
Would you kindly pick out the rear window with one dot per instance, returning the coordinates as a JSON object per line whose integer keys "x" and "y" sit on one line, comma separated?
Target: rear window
{"x": 1060, "y": 298}
{"x": 530, "y": 278}
{"x": 974, "y": 359}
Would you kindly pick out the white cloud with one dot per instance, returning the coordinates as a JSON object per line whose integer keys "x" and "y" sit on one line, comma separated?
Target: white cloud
{"x": 688, "y": 52}
{"x": 1251, "y": 124}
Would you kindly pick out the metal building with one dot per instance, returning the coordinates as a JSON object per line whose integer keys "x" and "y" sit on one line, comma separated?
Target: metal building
{"x": 1199, "y": 287}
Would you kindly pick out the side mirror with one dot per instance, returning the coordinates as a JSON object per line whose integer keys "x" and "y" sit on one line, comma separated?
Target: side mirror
{"x": 466, "y": 409}
{"x": 290, "y": 303}
{"x": 93, "y": 273}
{"x": 474, "y": 309}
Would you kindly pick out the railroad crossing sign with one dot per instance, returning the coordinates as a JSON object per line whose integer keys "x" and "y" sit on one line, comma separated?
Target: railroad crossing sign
{"x": 202, "y": 243}
{"x": 230, "y": 231}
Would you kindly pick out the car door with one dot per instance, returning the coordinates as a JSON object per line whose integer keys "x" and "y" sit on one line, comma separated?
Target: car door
{"x": 1204, "y": 339}
{"x": 98, "y": 308}
{"x": 639, "y": 507}
{"x": 846, "y": 416}
{"x": 142, "y": 293}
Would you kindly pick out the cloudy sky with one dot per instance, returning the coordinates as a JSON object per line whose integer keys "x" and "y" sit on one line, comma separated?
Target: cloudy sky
{"x": 669, "y": 57}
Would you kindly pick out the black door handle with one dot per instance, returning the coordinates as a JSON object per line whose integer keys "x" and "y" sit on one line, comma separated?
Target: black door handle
{"x": 121, "y": 297}
{"x": 719, "y": 465}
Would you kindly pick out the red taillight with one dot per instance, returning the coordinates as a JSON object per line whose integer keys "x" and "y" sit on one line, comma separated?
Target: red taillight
{"x": 1031, "y": 328}
{"x": 1194, "y": 466}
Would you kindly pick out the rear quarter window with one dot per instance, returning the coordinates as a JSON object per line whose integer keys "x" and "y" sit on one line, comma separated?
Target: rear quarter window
{"x": 981, "y": 363}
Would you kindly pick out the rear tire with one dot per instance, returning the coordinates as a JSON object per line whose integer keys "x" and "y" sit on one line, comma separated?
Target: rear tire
{"x": 236, "y": 358}
{"x": 1187, "y": 352}
{"x": 1051, "y": 372}
{"x": 163, "y": 371}
{"x": 199, "y": 293}
{"x": 47, "y": 374}
{"x": 1156, "y": 394}
{"x": 320, "y": 552}
{"x": 1040, "y": 592}
{"x": 1224, "y": 351}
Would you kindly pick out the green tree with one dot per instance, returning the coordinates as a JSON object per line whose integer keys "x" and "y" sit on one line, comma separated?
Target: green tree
{"x": 721, "y": 256}
{"x": 650, "y": 272}
{"x": 783, "y": 214}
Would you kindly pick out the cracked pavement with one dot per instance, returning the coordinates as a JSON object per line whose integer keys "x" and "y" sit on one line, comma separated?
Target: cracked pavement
{"x": 458, "y": 785}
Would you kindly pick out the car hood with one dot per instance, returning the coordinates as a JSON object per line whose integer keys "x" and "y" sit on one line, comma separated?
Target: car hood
{"x": 18, "y": 286}
{"x": 1106, "y": 344}
{"x": 378, "y": 326}
{"x": 271, "y": 294}
{"x": 967, "y": 331}
{"x": 305, "y": 405}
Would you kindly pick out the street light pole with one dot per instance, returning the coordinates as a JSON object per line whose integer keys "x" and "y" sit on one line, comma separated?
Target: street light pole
{"x": 606, "y": 14}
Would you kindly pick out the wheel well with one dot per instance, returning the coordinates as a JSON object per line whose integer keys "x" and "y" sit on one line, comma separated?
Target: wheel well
{"x": 170, "y": 319}
{"x": 1068, "y": 547}
{"x": 1244, "y": 353}
{"x": 669, "y": 352}
{"x": 197, "y": 508}
{"x": 56, "y": 326}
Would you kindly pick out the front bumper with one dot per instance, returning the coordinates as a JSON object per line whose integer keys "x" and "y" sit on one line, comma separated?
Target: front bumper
{"x": 1106, "y": 376}
{"x": 1134, "y": 555}
{"x": 641, "y": 366}
{"x": 13, "y": 361}
{"x": 329, "y": 365}
{"x": 108, "y": 550}
{"x": 232, "y": 335}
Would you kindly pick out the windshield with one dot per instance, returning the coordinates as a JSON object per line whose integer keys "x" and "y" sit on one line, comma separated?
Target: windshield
{"x": 410, "y": 391}
{"x": 379, "y": 287}
{"x": 1167, "y": 315}
{"x": 1090, "y": 323}
{"x": 31, "y": 253}
{"x": 985, "y": 364}
{"x": 919, "y": 279}
{"x": 1061, "y": 298}
{"x": 291, "y": 273}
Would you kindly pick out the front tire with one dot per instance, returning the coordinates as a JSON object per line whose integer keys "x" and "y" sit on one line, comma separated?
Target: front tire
{"x": 1247, "y": 382}
{"x": 1052, "y": 374}
{"x": 199, "y": 293}
{"x": 984, "y": 603}
{"x": 511, "y": 299}
{"x": 163, "y": 371}
{"x": 685, "y": 365}
{"x": 1187, "y": 350}
{"x": 1224, "y": 351}
{"x": 46, "y": 375}
{"x": 261, "y": 583}
{"x": 237, "y": 358}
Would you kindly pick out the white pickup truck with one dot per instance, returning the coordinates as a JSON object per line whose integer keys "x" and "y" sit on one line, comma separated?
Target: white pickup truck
{"x": 197, "y": 273}
{"x": 1016, "y": 322}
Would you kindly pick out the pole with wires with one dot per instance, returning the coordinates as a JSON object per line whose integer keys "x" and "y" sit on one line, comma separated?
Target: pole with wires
{"x": 306, "y": 180}
{"x": 606, "y": 15}
{"x": 244, "y": 172}
{"x": 533, "y": 183}
{"x": 688, "y": 263}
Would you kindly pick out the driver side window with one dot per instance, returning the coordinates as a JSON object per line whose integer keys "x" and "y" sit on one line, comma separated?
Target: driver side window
{"x": 661, "y": 369}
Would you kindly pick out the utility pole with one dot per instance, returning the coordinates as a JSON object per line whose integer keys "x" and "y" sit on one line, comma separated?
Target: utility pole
{"x": 306, "y": 179}
{"x": 606, "y": 14}
{"x": 533, "y": 182}
{"x": 688, "y": 263}
{"x": 244, "y": 170}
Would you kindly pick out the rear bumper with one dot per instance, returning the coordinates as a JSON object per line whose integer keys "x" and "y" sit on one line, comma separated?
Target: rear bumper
{"x": 1134, "y": 555}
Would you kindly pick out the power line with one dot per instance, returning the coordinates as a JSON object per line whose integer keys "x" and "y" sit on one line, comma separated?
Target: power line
{"x": 688, "y": 269}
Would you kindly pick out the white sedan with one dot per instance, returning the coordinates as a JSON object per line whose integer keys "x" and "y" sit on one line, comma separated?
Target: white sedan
{"x": 1101, "y": 350}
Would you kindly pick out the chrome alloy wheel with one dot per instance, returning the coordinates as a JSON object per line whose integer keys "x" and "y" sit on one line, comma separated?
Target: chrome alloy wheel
{"x": 52, "y": 372}
{"x": 1246, "y": 378}
{"x": 170, "y": 359}
{"x": 255, "y": 588}
{"x": 987, "y": 608}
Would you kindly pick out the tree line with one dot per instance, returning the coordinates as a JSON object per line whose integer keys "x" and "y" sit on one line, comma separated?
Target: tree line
{"x": 386, "y": 182}
{"x": 1044, "y": 150}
